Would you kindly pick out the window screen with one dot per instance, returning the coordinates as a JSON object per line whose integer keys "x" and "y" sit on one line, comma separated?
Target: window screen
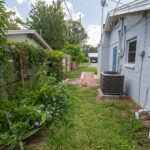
{"x": 132, "y": 51}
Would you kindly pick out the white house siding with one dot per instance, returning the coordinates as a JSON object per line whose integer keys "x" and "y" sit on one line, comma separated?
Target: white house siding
{"x": 139, "y": 28}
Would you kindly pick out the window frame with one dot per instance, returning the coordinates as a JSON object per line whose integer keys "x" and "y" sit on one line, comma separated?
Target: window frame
{"x": 128, "y": 44}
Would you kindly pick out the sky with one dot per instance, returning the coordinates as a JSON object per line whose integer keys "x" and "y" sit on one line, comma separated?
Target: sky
{"x": 90, "y": 11}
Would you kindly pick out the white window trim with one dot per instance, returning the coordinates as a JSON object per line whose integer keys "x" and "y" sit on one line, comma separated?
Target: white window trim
{"x": 130, "y": 65}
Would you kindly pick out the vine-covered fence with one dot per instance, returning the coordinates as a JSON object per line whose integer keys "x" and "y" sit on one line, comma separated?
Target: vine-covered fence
{"x": 20, "y": 61}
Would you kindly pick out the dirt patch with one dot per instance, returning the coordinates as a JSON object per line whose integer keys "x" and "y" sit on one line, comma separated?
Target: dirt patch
{"x": 36, "y": 143}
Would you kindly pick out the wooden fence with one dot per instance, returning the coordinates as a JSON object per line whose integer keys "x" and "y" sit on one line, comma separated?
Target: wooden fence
{"x": 69, "y": 65}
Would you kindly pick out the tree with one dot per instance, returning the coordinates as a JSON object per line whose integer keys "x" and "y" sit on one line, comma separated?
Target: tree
{"x": 89, "y": 49}
{"x": 75, "y": 51}
{"x": 75, "y": 32}
{"x": 3, "y": 23}
{"x": 49, "y": 20}
{"x": 14, "y": 23}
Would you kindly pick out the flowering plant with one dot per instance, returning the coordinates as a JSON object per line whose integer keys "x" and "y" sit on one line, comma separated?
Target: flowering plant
{"x": 33, "y": 110}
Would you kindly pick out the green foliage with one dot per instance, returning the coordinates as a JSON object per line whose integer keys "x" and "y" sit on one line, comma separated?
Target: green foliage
{"x": 33, "y": 59}
{"x": 76, "y": 33}
{"x": 14, "y": 22}
{"x": 55, "y": 59}
{"x": 50, "y": 21}
{"x": 75, "y": 51}
{"x": 3, "y": 24}
{"x": 89, "y": 49}
{"x": 31, "y": 110}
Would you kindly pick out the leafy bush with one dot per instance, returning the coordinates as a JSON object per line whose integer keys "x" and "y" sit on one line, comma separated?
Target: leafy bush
{"x": 31, "y": 110}
{"x": 32, "y": 59}
{"x": 3, "y": 23}
{"x": 55, "y": 59}
{"x": 75, "y": 51}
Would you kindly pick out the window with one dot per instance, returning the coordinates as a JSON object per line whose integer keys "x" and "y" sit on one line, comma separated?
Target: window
{"x": 131, "y": 51}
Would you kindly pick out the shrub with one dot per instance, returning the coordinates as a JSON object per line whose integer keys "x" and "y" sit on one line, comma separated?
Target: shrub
{"x": 31, "y": 110}
{"x": 32, "y": 58}
{"x": 75, "y": 51}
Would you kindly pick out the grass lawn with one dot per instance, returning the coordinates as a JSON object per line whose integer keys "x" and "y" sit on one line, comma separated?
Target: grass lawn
{"x": 90, "y": 124}
{"x": 84, "y": 68}
{"x": 95, "y": 125}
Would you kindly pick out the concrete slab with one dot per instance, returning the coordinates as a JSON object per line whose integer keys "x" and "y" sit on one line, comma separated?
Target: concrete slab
{"x": 103, "y": 96}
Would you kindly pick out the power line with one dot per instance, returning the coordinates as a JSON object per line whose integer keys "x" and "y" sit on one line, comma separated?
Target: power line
{"x": 116, "y": 7}
{"x": 68, "y": 9}
{"x": 117, "y": 2}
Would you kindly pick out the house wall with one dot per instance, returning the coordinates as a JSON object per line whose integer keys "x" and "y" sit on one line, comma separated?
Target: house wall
{"x": 23, "y": 38}
{"x": 137, "y": 79}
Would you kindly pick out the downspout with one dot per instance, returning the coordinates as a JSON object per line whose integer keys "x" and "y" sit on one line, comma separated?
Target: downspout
{"x": 121, "y": 38}
{"x": 142, "y": 54}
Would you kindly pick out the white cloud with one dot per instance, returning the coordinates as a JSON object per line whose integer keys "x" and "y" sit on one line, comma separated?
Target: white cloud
{"x": 17, "y": 14}
{"x": 75, "y": 15}
{"x": 33, "y": 1}
{"x": 94, "y": 33}
{"x": 20, "y": 1}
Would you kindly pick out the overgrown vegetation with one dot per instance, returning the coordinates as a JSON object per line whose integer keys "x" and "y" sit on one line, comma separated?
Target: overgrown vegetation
{"x": 91, "y": 125}
{"x": 75, "y": 51}
{"x": 3, "y": 24}
{"x": 31, "y": 110}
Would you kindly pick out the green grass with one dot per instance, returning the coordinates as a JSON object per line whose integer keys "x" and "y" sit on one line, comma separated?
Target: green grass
{"x": 94, "y": 125}
{"x": 84, "y": 68}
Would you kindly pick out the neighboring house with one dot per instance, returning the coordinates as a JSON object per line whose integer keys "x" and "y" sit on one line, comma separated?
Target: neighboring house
{"x": 93, "y": 57}
{"x": 28, "y": 36}
{"x": 125, "y": 48}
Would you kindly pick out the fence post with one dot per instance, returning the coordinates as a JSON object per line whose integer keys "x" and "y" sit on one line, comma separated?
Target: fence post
{"x": 20, "y": 75}
{"x": 66, "y": 63}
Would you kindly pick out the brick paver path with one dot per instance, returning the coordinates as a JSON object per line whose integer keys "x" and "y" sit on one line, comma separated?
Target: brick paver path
{"x": 90, "y": 80}
{"x": 87, "y": 79}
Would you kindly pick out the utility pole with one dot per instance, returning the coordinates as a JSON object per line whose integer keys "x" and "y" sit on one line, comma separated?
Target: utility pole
{"x": 80, "y": 18}
{"x": 67, "y": 9}
{"x": 103, "y": 4}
